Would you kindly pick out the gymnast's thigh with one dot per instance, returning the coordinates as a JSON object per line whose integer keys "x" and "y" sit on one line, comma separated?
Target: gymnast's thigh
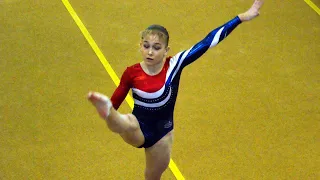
{"x": 158, "y": 155}
{"x": 134, "y": 136}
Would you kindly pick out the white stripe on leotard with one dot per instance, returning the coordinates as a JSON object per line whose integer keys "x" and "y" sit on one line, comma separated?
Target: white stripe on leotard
{"x": 154, "y": 105}
{"x": 216, "y": 38}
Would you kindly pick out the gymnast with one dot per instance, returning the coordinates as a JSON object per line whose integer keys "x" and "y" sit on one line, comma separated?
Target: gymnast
{"x": 154, "y": 83}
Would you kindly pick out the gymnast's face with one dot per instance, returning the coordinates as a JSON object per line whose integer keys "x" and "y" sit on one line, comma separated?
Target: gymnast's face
{"x": 153, "y": 49}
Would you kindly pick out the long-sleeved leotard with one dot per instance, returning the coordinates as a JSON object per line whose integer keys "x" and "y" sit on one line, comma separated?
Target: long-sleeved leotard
{"x": 155, "y": 96}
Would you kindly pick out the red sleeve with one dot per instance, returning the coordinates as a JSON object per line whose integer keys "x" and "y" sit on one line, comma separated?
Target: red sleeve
{"x": 122, "y": 90}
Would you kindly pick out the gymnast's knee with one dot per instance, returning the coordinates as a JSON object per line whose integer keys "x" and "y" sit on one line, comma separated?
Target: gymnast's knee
{"x": 156, "y": 172}
{"x": 134, "y": 124}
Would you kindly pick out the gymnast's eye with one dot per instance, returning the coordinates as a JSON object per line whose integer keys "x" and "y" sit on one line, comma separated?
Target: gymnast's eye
{"x": 157, "y": 47}
{"x": 146, "y": 46}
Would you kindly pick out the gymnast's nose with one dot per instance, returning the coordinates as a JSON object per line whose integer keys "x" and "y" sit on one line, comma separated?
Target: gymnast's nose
{"x": 150, "y": 51}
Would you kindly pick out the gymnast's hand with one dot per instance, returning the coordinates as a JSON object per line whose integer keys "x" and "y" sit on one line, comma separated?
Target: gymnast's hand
{"x": 252, "y": 12}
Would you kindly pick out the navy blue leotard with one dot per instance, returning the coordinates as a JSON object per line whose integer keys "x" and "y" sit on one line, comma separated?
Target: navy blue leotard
{"x": 155, "y": 96}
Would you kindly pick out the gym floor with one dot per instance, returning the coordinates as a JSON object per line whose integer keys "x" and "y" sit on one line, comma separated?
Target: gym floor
{"x": 247, "y": 109}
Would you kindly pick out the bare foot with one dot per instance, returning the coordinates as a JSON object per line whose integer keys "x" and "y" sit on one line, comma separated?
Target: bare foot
{"x": 252, "y": 12}
{"x": 101, "y": 102}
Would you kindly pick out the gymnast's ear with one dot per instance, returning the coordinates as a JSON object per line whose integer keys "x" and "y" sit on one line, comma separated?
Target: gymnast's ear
{"x": 167, "y": 50}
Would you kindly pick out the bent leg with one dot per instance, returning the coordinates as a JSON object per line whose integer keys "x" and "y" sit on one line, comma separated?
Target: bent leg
{"x": 126, "y": 125}
{"x": 158, "y": 157}
{"x": 134, "y": 135}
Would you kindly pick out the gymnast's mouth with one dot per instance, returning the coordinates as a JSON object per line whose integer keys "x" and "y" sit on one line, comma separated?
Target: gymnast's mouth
{"x": 150, "y": 59}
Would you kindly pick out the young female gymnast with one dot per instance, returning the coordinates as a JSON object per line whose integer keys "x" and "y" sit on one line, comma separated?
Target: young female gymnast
{"x": 154, "y": 83}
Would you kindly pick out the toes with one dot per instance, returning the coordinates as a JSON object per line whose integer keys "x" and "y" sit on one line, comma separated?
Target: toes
{"x": 91, "y": 97}
{"x": 96, "y": 97}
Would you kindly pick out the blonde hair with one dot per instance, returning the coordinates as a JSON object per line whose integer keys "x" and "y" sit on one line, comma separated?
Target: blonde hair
{"x": 158, "y": 30}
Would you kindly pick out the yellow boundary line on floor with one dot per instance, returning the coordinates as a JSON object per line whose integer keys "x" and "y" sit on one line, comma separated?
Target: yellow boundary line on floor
{"x": 313, "y": 6}
{"x": 110, "y": 71}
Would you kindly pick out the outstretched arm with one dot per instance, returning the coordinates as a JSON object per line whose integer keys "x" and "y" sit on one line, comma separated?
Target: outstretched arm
{"x": 217, "y": 35}
{"x": 211, "y": 40}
